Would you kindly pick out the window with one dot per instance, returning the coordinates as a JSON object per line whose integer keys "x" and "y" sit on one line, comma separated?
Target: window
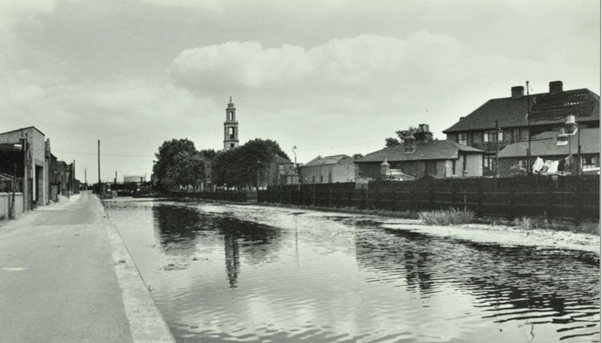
{"x": 453, "y": 167}
{"x": 321, "y": 178}
{"x": 313, "y": 179}
{"x": 515, "y": 135}
{"x": 463, "y": 138}
{"x": 231, "y": 132}
{"x": 489, "y": 136}
{"x": 231, "y": 145}
{"x": 589, "y": 162}
{"x": 489, "y": 163}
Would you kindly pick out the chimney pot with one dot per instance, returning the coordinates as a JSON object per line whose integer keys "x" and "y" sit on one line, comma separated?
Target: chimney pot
{"x": 555, "y": 87}
{"x": 517, "y": 92}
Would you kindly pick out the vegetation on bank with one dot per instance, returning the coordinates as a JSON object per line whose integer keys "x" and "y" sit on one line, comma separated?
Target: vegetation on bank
{"x": 447, "y": 217}
{"x": 528, "y": 223}
{"x": 180, "y": 164}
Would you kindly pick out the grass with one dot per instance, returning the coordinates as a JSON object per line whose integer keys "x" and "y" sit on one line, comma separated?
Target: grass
{"x": 447, "y": 217}
{"x": 527, "y": 223}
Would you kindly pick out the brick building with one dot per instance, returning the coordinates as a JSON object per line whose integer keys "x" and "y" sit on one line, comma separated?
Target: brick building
{"x": 329, "y": 169}
{"x": 547, "y": 112}
{"x": 422, "y": 157}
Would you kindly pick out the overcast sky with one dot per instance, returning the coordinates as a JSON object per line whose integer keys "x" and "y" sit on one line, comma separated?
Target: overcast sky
{"x": 329, "y": 76}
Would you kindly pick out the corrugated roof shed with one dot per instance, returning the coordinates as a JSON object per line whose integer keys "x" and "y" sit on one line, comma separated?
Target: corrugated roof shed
{"x": 545, "y": 145}
{"x": 433, "y": 150}
{"x": 545, "y": 108}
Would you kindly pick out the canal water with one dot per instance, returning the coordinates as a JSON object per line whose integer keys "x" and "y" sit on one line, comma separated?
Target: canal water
{"x": 228, "y": 273}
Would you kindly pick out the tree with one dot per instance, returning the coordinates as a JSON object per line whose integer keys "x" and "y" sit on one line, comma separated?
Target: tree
{"x": 241, "y": 167}
{"x": 188, "y": 168}
{"x": 389, "y": 142}
{"x": 357, "y": 156}
{"x": 167, "y": 153}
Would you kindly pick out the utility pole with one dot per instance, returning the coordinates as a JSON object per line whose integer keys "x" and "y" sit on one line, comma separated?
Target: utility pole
{"x": 86, "y": 177}
{"x": 115, "y": 177}
{"x": 25, "y": 183}
{"x": 99, "y": 162}
{"x": 578, "y": 151}
{"x": 497, "y": 149}
{"x": 530, "y": 171}
{"x": 13, "y": 213}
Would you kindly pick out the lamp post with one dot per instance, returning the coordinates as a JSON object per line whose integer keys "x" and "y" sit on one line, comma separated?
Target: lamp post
{"x": 258, "y": 165}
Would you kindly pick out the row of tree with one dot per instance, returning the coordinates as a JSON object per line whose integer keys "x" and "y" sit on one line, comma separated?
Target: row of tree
{"x": 179, "y": 164}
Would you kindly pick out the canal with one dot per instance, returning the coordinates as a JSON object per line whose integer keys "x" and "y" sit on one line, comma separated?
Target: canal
{"x": 228, "y": 273}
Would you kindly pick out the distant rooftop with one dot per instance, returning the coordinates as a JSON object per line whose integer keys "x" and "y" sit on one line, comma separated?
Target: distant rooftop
{"x": 432, "y": 150}
{"x": 334, "y": 159}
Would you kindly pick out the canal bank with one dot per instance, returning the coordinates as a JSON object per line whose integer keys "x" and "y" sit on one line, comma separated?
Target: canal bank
{"x": 65, "y": 276}
{"x": 491, "y": 231}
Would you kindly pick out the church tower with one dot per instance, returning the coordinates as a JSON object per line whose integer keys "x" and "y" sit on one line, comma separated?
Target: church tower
{"x": 230, "y": 127}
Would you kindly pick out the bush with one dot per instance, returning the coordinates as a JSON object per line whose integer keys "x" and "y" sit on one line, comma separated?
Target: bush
{"x": 447, "y": 217}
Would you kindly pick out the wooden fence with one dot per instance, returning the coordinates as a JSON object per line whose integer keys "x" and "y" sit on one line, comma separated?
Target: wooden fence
{"x": 577, "y": 204}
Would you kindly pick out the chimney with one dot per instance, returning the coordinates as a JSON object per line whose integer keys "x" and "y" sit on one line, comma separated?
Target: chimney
{"x": 517, "y": 92}
{"x": 409, "y": 143}
{"x": 461, "y": 118}
{"x": 555, "y": 87}
{"x": 423, "y": 134}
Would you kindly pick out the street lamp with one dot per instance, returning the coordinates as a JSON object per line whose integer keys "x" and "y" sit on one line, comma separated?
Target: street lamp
{"x": 295, "y": 153}
{"x": 258, "y": 165}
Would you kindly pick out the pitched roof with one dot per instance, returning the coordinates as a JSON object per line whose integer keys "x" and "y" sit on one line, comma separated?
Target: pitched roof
{"x": 545, "y": 108}
{"x": 320, "y": 161}
{"x": 23, "y": 129}
{"x": 281, "y": 160}
{"x": 544, "y": 144}
{"x": 433, "y": 150}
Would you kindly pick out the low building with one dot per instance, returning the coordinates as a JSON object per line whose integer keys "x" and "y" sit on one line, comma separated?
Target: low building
{"x": 281, "y": 171}
{"x": 549, "y": 146}
{"x": 134, "y": 178}
{"x": 418, "y": 159}
{"x": 24, "y": 151}
{"x": 329, "y": 169}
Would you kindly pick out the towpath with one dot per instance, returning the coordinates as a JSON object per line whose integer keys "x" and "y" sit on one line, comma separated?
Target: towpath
{"x": 65, "y": 276}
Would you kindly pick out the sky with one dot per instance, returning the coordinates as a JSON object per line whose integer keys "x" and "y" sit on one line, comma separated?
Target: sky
{"x": 327, "y": 76}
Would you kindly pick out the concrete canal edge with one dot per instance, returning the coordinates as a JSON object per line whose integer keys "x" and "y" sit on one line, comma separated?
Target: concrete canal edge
{"x": 146, "y": 322}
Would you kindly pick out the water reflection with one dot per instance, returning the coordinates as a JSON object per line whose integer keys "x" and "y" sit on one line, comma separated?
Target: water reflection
{"x": 508, "y": 283}
{"x": 269, "y": 275}
{"x": 180, "y": 229}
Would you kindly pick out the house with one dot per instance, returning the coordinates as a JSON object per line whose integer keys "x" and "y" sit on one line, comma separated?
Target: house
{"x": 546, "y": 112}
{"x": 24, "y": 152}
{"x": 329, "y": 169}
{"x": 281, "y": 171}
{"x": 550, "y": 146}
{"x": 421, "y": 157}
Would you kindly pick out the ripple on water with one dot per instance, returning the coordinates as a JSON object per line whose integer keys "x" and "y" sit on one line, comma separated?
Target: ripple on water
{"x": 304, "y": 277}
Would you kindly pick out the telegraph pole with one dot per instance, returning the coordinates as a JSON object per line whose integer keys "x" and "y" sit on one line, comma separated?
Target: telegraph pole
{"x": 530, "y": 171}
{"x": 99, "y": 162}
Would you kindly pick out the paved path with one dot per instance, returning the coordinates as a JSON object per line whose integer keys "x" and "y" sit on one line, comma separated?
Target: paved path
{"x": 65, "y": 276}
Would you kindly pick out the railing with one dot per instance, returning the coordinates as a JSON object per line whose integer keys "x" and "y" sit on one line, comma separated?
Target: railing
{"x": 223, "y": 195}
{"x": 579, "y": 204}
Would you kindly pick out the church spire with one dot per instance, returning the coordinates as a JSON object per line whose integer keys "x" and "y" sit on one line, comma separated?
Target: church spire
{"x": 230, "y": 127}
